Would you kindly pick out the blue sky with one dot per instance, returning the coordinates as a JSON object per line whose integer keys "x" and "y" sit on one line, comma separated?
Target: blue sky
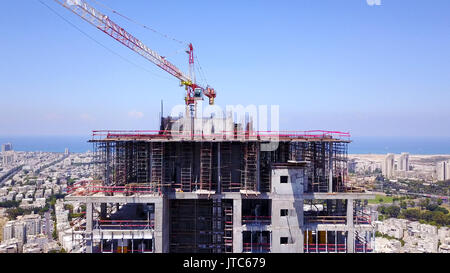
{"x": 330, "y": 64}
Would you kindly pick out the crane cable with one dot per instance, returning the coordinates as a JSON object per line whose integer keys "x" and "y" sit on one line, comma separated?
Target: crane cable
{"x": 142, "y": 25}
{"x": 199, "y": 68}
{"x": 100, "y": 44}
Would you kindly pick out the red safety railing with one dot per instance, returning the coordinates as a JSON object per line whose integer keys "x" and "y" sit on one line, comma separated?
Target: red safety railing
{"x": 325, "y": 219}
{"x": 111, "y": 134}
{"x": 95, "y": 186}
{"x": 325, "y": 248}
{"x": 128, "y": 251}
{"x": 256, "y": 247}
{"x": 362, "y": 219}
{"x": 331, "y": 219}
{"x": 363, "y": 248}
{"x": 317, "y": 248}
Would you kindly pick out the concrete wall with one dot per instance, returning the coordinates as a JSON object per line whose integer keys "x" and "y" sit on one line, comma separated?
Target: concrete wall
{"x": 237, "y": 226}
{"x": 287, "y": 226}
{"x": 296, "y": 178}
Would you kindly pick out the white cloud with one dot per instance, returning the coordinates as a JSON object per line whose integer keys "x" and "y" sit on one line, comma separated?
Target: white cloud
{"x": 135, "y": 114}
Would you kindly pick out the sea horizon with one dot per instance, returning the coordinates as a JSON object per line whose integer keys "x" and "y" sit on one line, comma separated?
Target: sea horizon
{"x": 359, "y": 145}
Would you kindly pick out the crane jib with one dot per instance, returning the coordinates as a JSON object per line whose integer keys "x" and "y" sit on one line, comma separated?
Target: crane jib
{"x": 103, "y": 23}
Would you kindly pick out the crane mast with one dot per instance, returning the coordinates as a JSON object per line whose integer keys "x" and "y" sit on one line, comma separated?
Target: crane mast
{"x": 102, "y": 22}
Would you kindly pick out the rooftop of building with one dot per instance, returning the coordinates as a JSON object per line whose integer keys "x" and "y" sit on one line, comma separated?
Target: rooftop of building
{"x": 231, "y": 136}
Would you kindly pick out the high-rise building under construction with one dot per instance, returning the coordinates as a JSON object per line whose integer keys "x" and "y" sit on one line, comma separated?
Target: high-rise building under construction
{"x": 233, "y": 192}
{"x": 201, "y": 189}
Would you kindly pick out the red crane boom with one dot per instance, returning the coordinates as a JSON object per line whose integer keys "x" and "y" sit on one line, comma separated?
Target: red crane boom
{"x": 106, "y": 25}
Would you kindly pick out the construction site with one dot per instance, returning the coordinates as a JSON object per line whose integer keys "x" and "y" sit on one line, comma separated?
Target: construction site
{"x": 156, "y": 192}
{"x": 197, "y": 189}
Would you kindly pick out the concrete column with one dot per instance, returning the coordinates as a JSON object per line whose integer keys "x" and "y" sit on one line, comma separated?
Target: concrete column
{"x": 330, "y": 166}
{"x": 307, "y": 240}
{"x": 258, "y": 179}
{"x": 237, "y": 225}
{"x": 219, "y": 186}
{"x": 350, "y": 227}
{"x": 161, "y": 233}
{"x": 317, "y": 240}
{"x": 89, "y": 227}
{"x": 335, "y": 241}
{"x": 299, "y": 209}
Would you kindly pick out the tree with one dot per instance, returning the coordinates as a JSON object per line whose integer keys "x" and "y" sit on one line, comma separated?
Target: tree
{"x": 442, "y": 209}
{"x": 9, "y": 204}
{"x": 381, "y": 209}
{"x": 439, "y": 218}
{"x": 427, "y": 216}
{"x": 439, "y": 201}
{"x": 403, "y": 205}
{"x": 393, "y": 211}
{"x": 411, "y": 214}
{"x": 423, "y": 203}
{"x": 432, "y": 207}
{"x": 412, "y": 203}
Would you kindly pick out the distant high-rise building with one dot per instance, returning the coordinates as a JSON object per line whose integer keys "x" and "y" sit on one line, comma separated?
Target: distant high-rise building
{"x": 47, "y": 225}
{"x": 403, "y": 163}
{"x": 66, "y": 151}
{"x": 6, "y": 147}
{"x": 8, "y": 158}
{"x": 20, "y": 232}
{"x": 32, "y": 223}
{"x": 388, "y": 166}
{"x": 443, "y": 170}
{"x": 8, "y": 231}
{"x": 448, "y": 170}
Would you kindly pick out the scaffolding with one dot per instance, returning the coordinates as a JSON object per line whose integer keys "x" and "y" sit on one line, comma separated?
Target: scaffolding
{"x": 206, "y": 166}
{"x": 222, "y": 165}
{"x": 201, "y": 226}
{"x": 249, "y": 166}
{"x": 143, "y": 163}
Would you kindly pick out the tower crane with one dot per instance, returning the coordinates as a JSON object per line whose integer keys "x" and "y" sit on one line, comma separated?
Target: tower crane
{"x": 102, "y": 22}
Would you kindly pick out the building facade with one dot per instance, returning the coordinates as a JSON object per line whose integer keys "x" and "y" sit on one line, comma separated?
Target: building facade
{"x": 443, "y": 170}
{"x": 403, "y": 163}
{"x": 222, "y": 193}
{"x": 388, "y": 166}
